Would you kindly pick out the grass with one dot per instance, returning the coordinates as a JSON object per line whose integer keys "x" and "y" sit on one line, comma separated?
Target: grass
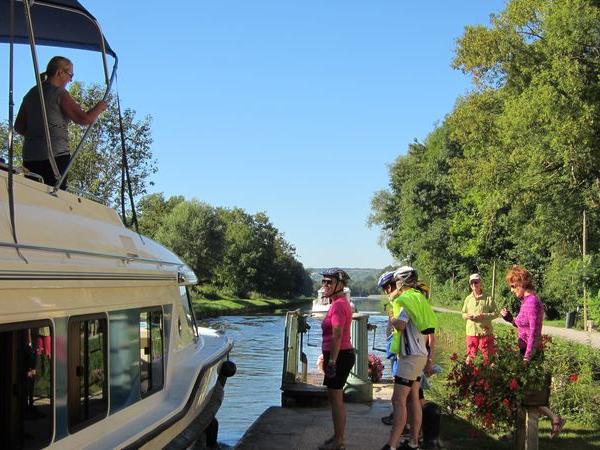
{"x": 211, "y": 308}
{"x": 457, "y": 433}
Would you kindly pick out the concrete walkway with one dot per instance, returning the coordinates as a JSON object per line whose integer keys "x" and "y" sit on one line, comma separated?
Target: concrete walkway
{"x": 307, "y": 428}
{"x": 583, "y": 337}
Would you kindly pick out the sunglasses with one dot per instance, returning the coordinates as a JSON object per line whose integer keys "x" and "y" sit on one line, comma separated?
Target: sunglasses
{"x": 326, "y": 282}
{"x": 475, "y": 282}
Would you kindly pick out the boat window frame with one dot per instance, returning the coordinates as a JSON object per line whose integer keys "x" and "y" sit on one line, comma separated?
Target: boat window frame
{"x": 82, "y": 424}
{"x": 144, "y": 394}
{"x": 190, "y": 305}
{"x": 40, "y": 323}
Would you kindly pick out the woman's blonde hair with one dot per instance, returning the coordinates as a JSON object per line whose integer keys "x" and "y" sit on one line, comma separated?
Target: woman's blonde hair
{"x": 54, "y": 65}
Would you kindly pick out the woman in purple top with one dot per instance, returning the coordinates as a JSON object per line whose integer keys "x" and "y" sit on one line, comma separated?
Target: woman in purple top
{"x": 529, "y": 326}
{"x": 338, "y": 353}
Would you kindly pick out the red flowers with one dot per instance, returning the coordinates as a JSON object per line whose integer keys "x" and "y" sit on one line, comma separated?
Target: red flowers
{"x": 375, "y": 370}
{"x": 488, "y": 392}
{"x": 573, "y": 378}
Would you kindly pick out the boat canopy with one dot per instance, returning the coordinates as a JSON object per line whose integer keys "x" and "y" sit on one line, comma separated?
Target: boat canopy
{"x": 58, "y": 23}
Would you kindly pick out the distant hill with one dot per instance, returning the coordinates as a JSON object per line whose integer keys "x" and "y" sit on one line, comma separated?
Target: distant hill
{"x": 355, "y": 274}
{"x": 363, "y": 282}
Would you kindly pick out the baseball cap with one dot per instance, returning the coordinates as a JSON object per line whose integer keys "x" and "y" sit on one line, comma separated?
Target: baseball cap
{"x": 474, "y": 277}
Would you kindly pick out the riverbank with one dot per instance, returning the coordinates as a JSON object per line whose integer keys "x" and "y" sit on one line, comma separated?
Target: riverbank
{"x": 205, "y": 308}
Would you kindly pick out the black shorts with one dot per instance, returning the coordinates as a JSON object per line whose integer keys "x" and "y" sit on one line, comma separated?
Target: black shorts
{"x": 343, "y": 365}
{"x": 409, "y": 383}
{"x": 44, "y": 169}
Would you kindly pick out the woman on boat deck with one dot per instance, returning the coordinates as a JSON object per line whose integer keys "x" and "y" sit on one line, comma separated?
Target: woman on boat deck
{"x": 338, "y": 353}
{"x": 60, "y": 109}
{"x": 529, "y": 327}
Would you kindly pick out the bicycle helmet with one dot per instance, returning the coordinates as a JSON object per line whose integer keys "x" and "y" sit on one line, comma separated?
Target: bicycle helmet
{"x": 405, "y": 275}
{"x": 385, "y": 279}
{"x": 337, "y": 274}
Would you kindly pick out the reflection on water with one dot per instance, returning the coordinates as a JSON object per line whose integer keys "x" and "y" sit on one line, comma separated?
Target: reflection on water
{"x": 258, "y": 354}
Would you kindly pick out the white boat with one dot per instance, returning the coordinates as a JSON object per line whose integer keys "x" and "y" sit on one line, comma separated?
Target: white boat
{"x": 99, "y": 346}
{"x": 320, "y": 305}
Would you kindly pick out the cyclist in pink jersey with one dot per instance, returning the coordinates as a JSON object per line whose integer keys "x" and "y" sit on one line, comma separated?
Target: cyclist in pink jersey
{"x": 338, "y": 353}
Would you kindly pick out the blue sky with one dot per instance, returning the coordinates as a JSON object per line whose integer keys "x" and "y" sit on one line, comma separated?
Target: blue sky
{"x": 294, "y": 108}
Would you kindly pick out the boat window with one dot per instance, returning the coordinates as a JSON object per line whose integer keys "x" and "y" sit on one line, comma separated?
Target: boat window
{"x": 87, "y": 391}
{"x": 188, "y": 311}
{"x": 151, "y": 352}
{"x": 26, "y": 385}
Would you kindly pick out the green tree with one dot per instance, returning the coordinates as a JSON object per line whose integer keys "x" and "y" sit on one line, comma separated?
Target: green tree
{"x": 195, "y": 232}
{"x": 97, "y": 169}
{"x": 152, "y": 209}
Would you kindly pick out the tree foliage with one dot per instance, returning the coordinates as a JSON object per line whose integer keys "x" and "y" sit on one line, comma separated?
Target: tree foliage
{"x": 509, "y": 172}
{"x": 229, "y": 249}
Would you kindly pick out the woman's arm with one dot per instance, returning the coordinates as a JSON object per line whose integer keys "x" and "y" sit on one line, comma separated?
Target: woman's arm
{"x": 336, "y": 343}
{"x": 73, "y": 111}
{"x": 431, "y": 344}
{"x": 535, "y": 325}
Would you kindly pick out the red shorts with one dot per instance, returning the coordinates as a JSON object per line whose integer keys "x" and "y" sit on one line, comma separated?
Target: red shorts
{"x": 483, "y": 343}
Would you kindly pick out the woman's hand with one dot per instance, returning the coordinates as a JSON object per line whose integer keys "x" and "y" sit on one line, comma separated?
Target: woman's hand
{"x": 506, "y": 315}
{"x": 330, "y": 369}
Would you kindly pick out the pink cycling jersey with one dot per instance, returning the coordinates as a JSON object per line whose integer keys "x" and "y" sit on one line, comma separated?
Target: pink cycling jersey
{"x": 338, "y": 315}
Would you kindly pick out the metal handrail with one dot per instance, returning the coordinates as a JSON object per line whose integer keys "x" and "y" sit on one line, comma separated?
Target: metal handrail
{"x": 38, "y": 81}
{"x": 88, "y": 129}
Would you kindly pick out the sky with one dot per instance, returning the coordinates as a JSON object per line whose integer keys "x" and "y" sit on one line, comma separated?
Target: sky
{"x": 292, "y": 108}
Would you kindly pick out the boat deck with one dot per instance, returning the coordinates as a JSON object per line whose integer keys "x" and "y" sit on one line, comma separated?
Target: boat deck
{"x": 307, "y": 428}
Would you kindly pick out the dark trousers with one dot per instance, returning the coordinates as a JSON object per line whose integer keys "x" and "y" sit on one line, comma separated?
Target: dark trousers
{"x": 44, "y": 169}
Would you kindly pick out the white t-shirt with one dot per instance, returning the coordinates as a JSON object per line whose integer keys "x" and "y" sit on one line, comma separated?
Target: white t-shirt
{"x": 414, "y": 343}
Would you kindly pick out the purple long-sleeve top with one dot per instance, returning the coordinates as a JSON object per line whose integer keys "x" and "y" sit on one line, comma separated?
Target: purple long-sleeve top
{"x": 529, "y": 324}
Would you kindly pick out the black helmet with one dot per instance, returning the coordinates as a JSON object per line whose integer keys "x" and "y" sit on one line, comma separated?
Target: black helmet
{"x": 336, "y": 273}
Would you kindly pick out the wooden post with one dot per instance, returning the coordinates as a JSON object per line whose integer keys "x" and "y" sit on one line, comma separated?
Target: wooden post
{"x": 532, "y": 428}
{"x": 494, "y": 281}
{"x": 526, "y": 435}
{"x": 585, "y": 311}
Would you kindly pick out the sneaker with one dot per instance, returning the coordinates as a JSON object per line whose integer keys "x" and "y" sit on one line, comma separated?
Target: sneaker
{"x": 332, "y": 445}
{"x": 406, "y": 445}
{"x": 386, "y": 447}
{"x": 330, "y": 440}
{"x": 388, "y": 420}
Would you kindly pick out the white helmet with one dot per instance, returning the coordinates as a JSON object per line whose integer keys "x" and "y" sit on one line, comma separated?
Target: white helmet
{"x": 405, "y": 275}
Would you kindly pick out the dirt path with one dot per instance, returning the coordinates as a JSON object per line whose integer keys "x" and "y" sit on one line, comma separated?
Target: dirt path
{"x": 582, "y": 337}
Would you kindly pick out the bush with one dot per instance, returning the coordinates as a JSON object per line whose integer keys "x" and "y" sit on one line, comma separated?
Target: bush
{"x": 575, "y": 373}
{"x": 489, "y": 392}
{"x": 449, "y": 294}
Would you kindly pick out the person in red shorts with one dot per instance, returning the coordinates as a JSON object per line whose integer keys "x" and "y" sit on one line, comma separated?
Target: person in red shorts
{"x": 479, "y": 311}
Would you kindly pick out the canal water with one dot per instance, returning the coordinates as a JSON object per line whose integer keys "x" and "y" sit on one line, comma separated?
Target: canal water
{"x": 258, "y": 354}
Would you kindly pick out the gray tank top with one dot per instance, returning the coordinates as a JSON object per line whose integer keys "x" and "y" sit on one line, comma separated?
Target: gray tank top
{"x": 34, "y": 147}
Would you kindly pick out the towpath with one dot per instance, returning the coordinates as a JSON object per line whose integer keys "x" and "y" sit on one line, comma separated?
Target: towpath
{"x": 583, "y": 337}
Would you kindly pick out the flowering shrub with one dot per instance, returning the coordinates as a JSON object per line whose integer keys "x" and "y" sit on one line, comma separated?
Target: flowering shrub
{"x": 489, "y": 392}
{"x": 375, "y": 368}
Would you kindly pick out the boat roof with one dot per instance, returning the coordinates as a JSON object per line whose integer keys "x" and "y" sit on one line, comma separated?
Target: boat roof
{"x": 58, "y": 23}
